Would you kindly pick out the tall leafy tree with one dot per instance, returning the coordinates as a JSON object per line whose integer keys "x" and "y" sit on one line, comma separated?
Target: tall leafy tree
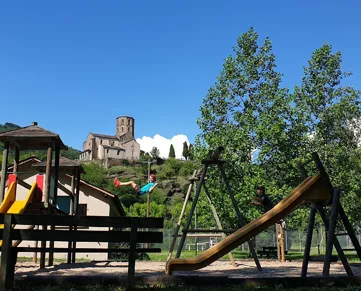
{"x": 171, "y": 151}
{"x": 247, "y": 112}
{"x": 330, "y": 113}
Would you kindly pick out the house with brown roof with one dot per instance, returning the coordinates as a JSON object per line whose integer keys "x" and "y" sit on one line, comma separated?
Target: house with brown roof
{"x": 120, "y": 146}
{"x": 92, "y": 200}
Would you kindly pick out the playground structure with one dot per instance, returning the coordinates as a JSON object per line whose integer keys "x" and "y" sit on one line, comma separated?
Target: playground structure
{"x": 42, "y": 195}
{"x": 316, "y": 191}
{"x": 212, "y": 159}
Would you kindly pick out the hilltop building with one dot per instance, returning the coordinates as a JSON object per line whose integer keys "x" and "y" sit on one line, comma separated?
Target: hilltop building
{"x": 120, "y": 146}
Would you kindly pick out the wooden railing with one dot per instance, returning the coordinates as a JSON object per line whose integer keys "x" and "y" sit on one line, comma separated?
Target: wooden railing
{"x": 125, "y": 230}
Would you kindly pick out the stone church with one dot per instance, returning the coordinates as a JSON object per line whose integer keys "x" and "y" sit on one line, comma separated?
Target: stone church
{"x": 105, "y": 147}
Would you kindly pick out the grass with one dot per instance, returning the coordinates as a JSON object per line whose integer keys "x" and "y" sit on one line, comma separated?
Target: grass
{"x": 162, "y": 257}
{"x": 293, "y": 256}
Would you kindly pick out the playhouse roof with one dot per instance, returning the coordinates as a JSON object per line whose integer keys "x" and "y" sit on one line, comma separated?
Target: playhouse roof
{"x": 65, "y": 165}
{"x": 32, "y": 137}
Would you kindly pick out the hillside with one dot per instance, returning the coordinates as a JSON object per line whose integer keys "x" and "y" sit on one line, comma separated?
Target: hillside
{"x": 166, "y": 200}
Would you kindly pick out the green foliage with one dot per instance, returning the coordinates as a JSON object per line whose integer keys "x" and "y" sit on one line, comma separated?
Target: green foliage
{"x": 185, "y": 152}
{"x": 265, "y": 129}
{"x": 173, "y": 168}
{"x": 154, "y": 153}
{"x": 94, "y": 174}
{"x": 171, "y": 151}
{"x": 140, "y": 210}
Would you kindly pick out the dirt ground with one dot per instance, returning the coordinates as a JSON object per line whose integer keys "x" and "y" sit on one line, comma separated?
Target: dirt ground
{"x": 245, "y": 269}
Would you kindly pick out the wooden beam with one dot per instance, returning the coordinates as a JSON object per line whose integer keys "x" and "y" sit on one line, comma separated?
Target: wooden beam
{"x": 90, "y": 220}
{"x": 85, "y": 236}
{"x": 89, "y": 250}
{"x": 65, "y": 190}
{"x": 3, "y": 170}
{"x": 218, "y": 221}
{"x": 71, "y": 212}
{"x": 46, "y": 198}
{"x": 176, "y": 231}
{"x": 48, "y": 176}
{"x": 76, "y": 206}
{"x": 190, "y": 215}
{"x": 16, "y": 160}
{"x": 6, "y": 250}
{"x": 24, "y": 184}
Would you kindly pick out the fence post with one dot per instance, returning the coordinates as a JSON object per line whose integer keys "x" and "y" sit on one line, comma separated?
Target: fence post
{"x": 132, "y": 252}
{"x": 6, "y": 276}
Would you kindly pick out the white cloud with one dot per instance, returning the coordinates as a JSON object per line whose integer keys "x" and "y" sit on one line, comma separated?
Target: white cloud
{"x": 163, "y": 144}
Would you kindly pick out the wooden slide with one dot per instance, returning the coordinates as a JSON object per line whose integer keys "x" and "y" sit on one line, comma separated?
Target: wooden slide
{"x": 312, "y": 189}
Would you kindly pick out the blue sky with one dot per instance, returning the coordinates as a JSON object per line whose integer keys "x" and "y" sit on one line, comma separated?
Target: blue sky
{"x": 74, "y": 66}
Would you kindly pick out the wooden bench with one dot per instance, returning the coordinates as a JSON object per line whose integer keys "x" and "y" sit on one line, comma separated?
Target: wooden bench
{"x": 269, "y": 252}
{"x": 125, "y": 230}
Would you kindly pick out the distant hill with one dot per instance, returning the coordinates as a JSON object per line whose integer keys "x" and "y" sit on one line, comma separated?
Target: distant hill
{"x": 71, "y": 153}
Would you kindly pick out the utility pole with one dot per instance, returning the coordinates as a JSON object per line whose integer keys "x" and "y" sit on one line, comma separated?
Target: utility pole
{"x": 149, "y": 162}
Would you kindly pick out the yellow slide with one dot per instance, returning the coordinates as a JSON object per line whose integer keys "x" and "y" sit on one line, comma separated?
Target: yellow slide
{"x": 9, "y": 198}
{"x": 12, "y": 206}
{"x": 312, "y": 189}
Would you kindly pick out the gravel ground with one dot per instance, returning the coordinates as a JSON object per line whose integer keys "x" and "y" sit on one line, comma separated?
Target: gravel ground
{"x": 245, "y": 269}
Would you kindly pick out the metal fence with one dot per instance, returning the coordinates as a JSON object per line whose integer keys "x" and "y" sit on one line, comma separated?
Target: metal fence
{"x": 294, "y": 241}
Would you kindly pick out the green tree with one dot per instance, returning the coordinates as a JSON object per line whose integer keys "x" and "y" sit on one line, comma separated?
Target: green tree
{"x": 95, "y": 175}
{"x": 190, "y": 152}
{"x": 246, "y": 111}
{"x": 329, "y": 113}
{"x": 185, "y": 152}
{"x": 171, "y": 152}
{"x": 154, "y": 153}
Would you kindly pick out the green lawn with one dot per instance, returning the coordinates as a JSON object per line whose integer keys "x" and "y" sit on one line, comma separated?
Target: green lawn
{"x": 294, "y": 256}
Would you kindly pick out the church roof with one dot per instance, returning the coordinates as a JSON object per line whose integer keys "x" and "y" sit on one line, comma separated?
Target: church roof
{"x": 105, "y": 136}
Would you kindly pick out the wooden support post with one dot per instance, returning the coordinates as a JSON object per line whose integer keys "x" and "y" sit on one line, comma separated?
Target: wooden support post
{"x": 6, "y": 282}
{"x": 194, "y": 204}
{"x": 4, "y": 168}
{"x": 278, "y": 242}
{"x": 35, "y": 254}
{"x": 71, "y": 211}
{"x": 175, "y": 234}
{"x": 132, "y": 253}
{"x": 48, "y": 176}
{"x": 216, "y": 217}
{"x": 55, "y": 198}
{"x": 282, "y": 243}
{"x": 239, "y": 216}
{"x": 349, "y": 230}
{"x": 306, "y": 255}
{"x": 46, "y": 199}
{"x": 76, "y": 207}
{"x": 336, "y": 244}
{"x": 331, "y": 233}
{"x": 16, "y": 160}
